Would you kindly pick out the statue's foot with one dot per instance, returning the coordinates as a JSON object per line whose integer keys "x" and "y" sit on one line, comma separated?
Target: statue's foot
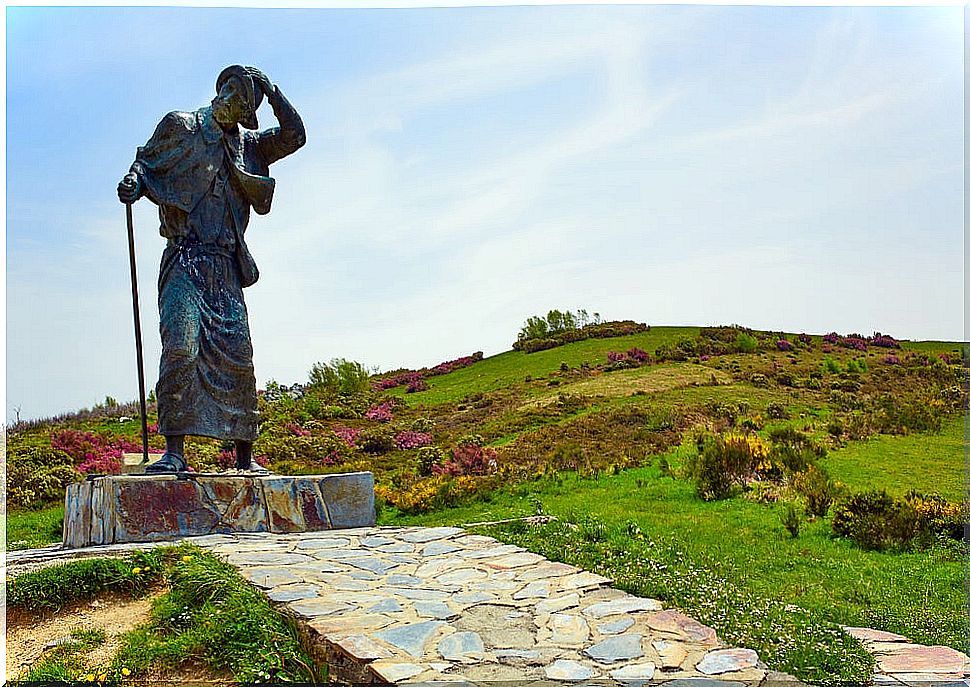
{"x": 168, "y": 463}
{"x": 254, "y": 467}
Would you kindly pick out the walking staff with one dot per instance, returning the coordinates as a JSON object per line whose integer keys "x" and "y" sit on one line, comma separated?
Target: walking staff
{"x": 138, "y": 349}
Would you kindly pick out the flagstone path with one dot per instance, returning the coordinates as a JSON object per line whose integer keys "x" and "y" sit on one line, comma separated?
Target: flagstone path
{"x": 439, "y": 604}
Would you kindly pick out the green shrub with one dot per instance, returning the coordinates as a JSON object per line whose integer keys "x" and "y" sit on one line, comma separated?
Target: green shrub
{"x": 376, "y": 440}
{"x": 794, "y": 450}
{"x": 817, "y": 488}
{"x": 831, "y": 365}
{"x": 875, "y": 520}
{"x": 746, "y": 343}
{"x": 723, "y": 462}
{"x": 38, "y": 474}
{"x": 340, "y": 376}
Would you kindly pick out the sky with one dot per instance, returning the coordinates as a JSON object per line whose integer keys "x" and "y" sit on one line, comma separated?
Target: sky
{"x": 784, "y": 168}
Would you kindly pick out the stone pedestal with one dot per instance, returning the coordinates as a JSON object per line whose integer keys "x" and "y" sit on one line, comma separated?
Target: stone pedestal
{"x": 141, "y": 508}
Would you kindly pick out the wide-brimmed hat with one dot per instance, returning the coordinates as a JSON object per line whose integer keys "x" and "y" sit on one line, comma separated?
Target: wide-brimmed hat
{"x": 254, "y": 94}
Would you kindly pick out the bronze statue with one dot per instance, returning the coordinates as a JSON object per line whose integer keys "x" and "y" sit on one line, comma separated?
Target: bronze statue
{"x": 205, "y": 172}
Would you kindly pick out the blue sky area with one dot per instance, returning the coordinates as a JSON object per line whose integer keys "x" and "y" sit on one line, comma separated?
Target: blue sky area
{"x": 783, "y": 168}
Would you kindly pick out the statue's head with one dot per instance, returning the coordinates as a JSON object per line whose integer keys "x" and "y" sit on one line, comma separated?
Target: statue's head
{"x": 237, "y": 97}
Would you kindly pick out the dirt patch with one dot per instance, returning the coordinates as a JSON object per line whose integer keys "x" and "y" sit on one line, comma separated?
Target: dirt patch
{"x": 30, "y": 634}
{"x": 643, "y": 379}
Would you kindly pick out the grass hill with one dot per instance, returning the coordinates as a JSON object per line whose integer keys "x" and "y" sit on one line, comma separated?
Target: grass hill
{"x": 771, "y": 484}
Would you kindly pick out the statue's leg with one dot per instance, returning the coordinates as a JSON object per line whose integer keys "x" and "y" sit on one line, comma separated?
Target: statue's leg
{"x": 244, "y": 455}
{"x": 174, "y": 458}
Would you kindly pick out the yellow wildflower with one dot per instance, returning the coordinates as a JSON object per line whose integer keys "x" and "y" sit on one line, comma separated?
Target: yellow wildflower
{"x": 136, "y": 570}
{"x": 125, "y": 672}
{"x": 186, "y": 559}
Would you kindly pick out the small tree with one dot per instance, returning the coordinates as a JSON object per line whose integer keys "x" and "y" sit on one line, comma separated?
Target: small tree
{"x": 340, "y": 376}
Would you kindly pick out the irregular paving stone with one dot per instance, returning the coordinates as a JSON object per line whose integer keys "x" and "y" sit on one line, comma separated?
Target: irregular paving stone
{"x": 437, "y": 548}
{"x": 349, "y": 585}
{"x": 321, "y": 566}
{"x": 269, "y": 577}
{"x": 426, "y": 534}
{"x": 313, "y": 608}
{"x": 635, "y": 674}
{"x": 515, "y": 560}
{"x": 397, "y": 548}
{"x": 568, "y": 629}
{"x": 915, "y": 658}
{"x": 619, "y": 648}
{"x": 362, "y": 647}
{"x": 583, "y": 580}
{"x": 474, "y": 598}
{"x": 565, "y": 669}
{"x": 399, "y": 580}
{"x": 315, "y": 544}
{"x": 340, "y": 625}
{"x": 680, "y": 625}
{"x": 434, "y": 568}
{"x": 410, "y": 638}
{"x": 497, "y": 630}
{"x": 371, "y": 564}
{"x": 672, "y": 654}
{"x": 386, "y": 606}
{"x": 292, "y": 592}
{"x": 464, "y": 647}
{"x": 375, "y": 540}
{"x": 867, "y": 634}
{"x": 434, "y": 609}
{"x": 533, "y": 590}
{"x": 267, "y": 558}
{"x": 557, "y": 603}
{"x": 492, "y": 552}
{"x": 418, "y": 594}
{"x": 462, "y": 576}
{"x": 727, "y": 661}
{"x": 546, "y": 570}
{"x": 630, "y": 604}
{"x": 395, "y": 671}
{"x": 615, "y": 627}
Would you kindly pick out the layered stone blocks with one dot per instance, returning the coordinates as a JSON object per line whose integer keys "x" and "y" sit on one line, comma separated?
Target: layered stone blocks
{"x": 143, "y": 508}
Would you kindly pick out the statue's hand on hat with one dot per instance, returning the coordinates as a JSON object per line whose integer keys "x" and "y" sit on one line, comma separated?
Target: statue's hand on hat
{"x": 262, "y": 82}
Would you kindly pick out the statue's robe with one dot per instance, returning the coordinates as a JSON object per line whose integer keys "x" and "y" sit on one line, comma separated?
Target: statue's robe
{"x": 204, "y": 181}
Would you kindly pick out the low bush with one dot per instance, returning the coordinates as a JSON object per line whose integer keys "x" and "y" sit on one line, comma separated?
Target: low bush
{"x": 876, "y": 521}
{"x": 818, "y": 489}
{"x": 724, "y": 463}
{"x": 37, "y": 475}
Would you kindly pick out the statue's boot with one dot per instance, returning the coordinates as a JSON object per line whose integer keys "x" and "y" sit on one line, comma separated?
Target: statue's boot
{"x": 168, "y": 463}
{"x": 244, "y": 459}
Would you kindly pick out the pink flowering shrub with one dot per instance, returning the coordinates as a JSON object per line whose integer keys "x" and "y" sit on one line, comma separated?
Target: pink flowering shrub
{"x": 468, "y": 459}
{"x": 884, "y": 341}
{"x": 380, "y": 412}
{"x": 92, "y": 452}
{"x": 784, "y": 345}
{"x": 414, "y": 379}
{"x": 296, "y": 430}
{"x": 631, "y": 358}
{"x": 417, "y": 385}
{"x": 830, "y": 338}
{"x": 408, "y": 440}
{"x": 348, "y": 435}
{"x": 891, "y": 359}
{"x": 805, "y": 339}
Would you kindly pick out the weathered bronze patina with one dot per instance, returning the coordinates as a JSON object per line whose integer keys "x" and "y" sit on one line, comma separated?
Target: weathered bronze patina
{"x": 205, "y": 172}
